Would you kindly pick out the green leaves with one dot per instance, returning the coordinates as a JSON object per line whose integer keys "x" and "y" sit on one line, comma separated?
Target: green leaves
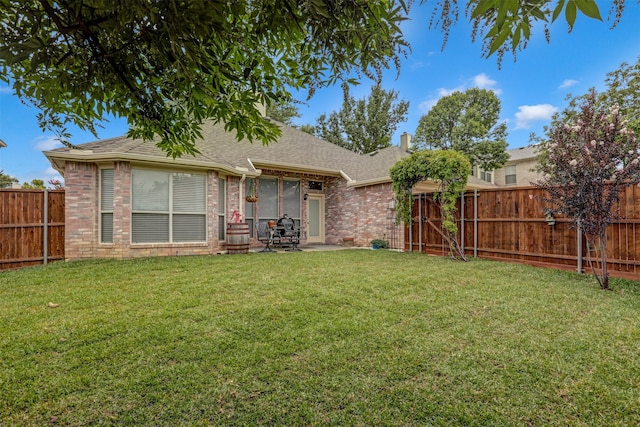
{"x": 168, "y": 66}
{"x": 449, "y": 168}
{"x": 466, "y": 122}
{"x": 505, "y": 25}
{"x": 364, "y": 125}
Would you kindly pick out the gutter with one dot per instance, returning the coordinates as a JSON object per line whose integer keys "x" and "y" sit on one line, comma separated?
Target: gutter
{"x": 291, "y": 167}
{"x": 56, "y": 157}
{"x": 367, "y": 182}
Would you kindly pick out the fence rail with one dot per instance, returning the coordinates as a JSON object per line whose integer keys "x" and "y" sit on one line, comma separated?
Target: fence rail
{"x": 31, "y": 227}
{"x": 510, "y": 225}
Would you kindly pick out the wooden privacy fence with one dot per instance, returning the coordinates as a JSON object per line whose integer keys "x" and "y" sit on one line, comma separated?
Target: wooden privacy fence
{"x": 31, "y": 227}
{"x": 510, "y": 225}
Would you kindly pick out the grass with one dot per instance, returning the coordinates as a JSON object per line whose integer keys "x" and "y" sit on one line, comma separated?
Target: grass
{"x": 337, "y": 338}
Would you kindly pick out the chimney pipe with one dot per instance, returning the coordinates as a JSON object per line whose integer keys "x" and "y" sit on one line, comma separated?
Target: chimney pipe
{"x": 405, "y": 141}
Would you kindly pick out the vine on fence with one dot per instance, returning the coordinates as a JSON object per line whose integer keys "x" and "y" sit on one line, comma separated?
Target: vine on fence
{"x": 450, "y": 170}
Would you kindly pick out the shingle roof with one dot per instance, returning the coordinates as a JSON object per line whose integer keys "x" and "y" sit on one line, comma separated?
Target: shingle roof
{"x": 294, "y": 150}
{"x": 219, "y": 149}
{"x": 523, "y": 153}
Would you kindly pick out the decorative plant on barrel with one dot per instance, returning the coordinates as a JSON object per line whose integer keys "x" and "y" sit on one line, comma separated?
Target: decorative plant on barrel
{"x": 252, "y": 197}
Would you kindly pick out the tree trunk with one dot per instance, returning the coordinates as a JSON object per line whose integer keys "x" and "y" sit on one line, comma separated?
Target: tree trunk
{"x": 603, "y": 260}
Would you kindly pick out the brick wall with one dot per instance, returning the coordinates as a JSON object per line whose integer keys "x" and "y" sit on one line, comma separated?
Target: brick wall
{"x": 82, "y": 237}
{"x": 353, "y": 216}
{"x": 81, "y": 202}
{"x": 359, "y": 213}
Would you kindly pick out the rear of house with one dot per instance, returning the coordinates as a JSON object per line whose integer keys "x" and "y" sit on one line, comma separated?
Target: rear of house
{"x": 125, "y": 198}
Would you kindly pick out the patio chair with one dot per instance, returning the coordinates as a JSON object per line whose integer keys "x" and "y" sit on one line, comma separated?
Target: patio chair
{"x": 291, "y": 233}
{"x": 264, "y": 234}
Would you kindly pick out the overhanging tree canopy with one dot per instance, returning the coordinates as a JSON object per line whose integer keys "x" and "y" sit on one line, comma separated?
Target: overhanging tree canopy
{"x": 169, "y": 65}
{"x": 506, "y": 25}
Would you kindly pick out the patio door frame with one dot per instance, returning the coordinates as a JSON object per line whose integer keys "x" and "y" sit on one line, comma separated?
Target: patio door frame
{"x": 321, "y": 218}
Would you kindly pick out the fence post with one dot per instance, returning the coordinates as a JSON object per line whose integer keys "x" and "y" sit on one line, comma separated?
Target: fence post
{"x": 420, "y": 223}
{"x": 579, "y": 234}
{"x": 411, "y": 228}
{"x": 462, "y": 222}
{"x": 475, "y": 223}
{"x": 45, "y": 228}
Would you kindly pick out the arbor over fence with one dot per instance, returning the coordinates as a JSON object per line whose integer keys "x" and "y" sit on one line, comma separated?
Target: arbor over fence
{"x": 510, "y": 225}
{"x": 30, "y": 221}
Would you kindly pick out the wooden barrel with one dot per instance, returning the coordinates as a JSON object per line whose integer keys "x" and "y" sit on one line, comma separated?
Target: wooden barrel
{"x": 237, "y": 238}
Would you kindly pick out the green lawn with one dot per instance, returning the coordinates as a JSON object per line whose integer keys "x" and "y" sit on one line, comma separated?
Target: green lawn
{"x": 342, "y": 338}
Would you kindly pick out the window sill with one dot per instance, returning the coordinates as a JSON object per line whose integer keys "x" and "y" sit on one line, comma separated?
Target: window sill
{"x": 170, "y": 245}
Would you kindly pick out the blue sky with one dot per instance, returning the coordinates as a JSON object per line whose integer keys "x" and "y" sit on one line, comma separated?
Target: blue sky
{"x": 530, "y": 89}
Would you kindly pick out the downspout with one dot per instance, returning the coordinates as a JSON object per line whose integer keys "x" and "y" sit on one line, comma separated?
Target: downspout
{"x": 241, "y": 196}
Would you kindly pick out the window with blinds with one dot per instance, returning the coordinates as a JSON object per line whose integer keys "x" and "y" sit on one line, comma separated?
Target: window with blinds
{"x": 168, "y": 207}
{"x": 291, "y": 200}
{"x": 510, "y": 174}
{"x": 268, "y": 198}
{"x": 106, "y": 205}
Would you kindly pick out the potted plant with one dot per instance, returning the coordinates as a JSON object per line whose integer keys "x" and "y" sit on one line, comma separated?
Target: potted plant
{"x": 252, "y": 197}
{"x": 379, "y": 244}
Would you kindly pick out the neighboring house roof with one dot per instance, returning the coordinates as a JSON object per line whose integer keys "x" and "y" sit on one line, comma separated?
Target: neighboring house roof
{"x": 295, "y": 151}
{"x": 2, "y": 144}
{"x": 523, "y": 153}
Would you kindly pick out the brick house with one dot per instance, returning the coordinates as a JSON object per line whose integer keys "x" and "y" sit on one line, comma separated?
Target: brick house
{"x": 126, "y": 198}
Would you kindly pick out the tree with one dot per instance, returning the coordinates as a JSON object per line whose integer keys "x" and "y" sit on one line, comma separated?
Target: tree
{"x": 310, "y": 129}
{"x": 364, "y": 125}
{"x": 283, "y": 112}
{"x": 623, "y": 89}
{"x": 466, "y": 122}
{"x": 169, "y": 65}
{"x": 450, "y": 169}
{"x": 590, "y": 156}
{"x": 56, "y": 183}
{"x": 6, "y": 181}
{"x": 506, "y": 25}
{"x": 34, "y": 184}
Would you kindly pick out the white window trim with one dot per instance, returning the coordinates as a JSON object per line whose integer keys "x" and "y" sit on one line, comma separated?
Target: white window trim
{"x": 514, "y": 174}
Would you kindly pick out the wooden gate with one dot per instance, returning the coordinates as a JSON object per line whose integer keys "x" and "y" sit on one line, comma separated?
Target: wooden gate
{"x": 31, "y": 227}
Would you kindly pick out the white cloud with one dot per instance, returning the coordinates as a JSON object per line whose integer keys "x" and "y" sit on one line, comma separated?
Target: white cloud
{"x": 528, "y": 114}
{"x": 483, "y": 81}
{"x": 568, "y": 83}
{"x": 46, "y": 142}
{"x": 427, "y": 104}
